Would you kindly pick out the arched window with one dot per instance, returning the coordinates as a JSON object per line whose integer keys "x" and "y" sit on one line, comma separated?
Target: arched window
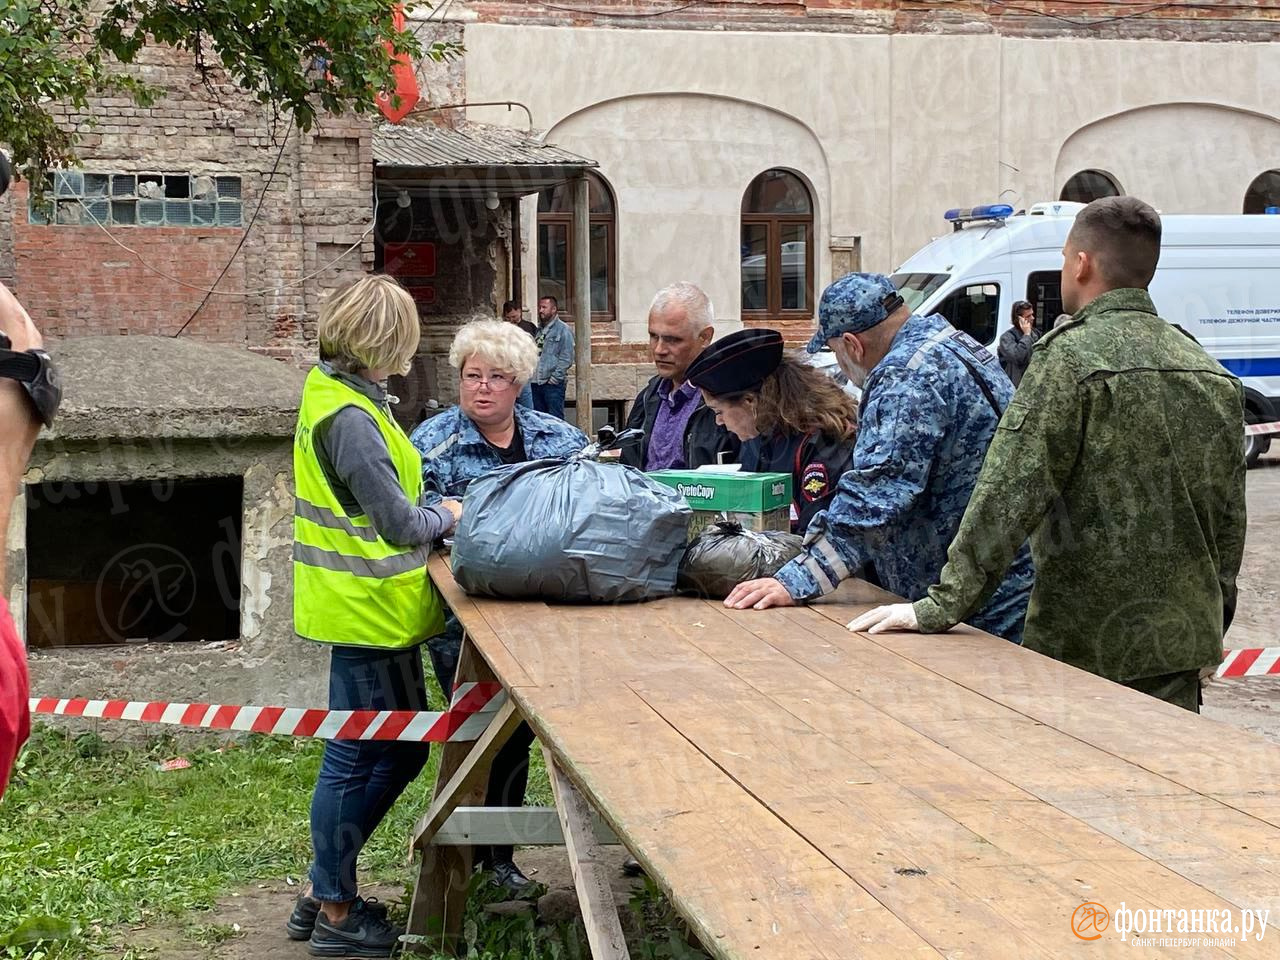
{"x": 1088, "y": 185}
{"x": 555, "y": 245}
{"x": 777, "y": 245}
{"x": 1264, "y": 193}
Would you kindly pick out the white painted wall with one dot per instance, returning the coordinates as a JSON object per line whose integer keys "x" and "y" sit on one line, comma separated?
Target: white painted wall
{"x": 890, "y": 131}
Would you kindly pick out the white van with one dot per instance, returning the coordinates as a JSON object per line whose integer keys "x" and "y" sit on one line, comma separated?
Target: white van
{"x": 1219, "y": 279}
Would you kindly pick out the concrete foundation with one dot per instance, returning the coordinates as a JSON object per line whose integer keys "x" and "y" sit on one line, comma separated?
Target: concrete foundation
{"x": 148, "y": 421}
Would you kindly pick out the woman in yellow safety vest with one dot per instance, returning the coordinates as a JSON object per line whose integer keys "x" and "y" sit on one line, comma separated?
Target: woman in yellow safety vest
{"x": 361, "y": 543}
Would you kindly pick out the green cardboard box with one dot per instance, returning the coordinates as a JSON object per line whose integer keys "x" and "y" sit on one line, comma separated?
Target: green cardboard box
{"x": 758, "y": 501}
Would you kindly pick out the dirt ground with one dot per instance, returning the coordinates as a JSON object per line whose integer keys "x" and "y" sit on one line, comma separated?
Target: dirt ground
{"x": 252, "y": 919}
{"x": 1252, "y": 704}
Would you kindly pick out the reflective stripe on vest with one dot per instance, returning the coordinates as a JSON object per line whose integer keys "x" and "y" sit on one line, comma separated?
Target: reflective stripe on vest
{"x": 350, "y": 585}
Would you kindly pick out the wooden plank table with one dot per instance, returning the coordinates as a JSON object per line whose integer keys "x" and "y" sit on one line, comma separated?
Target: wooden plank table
{"x": 799, "y": 791}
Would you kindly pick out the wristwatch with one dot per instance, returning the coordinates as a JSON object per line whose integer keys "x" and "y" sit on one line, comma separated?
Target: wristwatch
{"x": 34, "y": 369}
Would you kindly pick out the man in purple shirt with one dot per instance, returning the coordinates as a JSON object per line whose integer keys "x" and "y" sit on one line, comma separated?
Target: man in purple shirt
{"x": 680, "y": 431}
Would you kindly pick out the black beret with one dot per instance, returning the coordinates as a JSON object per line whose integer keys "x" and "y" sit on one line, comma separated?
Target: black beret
{"x": 737, "y": 363}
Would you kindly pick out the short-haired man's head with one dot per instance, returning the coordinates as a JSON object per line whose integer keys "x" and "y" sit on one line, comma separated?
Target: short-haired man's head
{"x": 548, "y": 307}
{"x": 508, "y": 306}
{"x": 371, "y": 324}
{"x": 686, "y": 299}
{"x": 681, "y": 324}
{"x": 1121, "y": 235}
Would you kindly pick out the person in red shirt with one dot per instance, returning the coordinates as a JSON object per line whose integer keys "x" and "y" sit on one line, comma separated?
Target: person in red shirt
{"x": 19, "y": 424}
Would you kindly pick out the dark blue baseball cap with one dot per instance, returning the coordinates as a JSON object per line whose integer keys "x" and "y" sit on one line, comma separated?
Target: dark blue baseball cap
{"x": 855, "y": 302}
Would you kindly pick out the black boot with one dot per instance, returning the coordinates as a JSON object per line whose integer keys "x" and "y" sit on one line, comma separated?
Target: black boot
{"x": 507, "y": 876}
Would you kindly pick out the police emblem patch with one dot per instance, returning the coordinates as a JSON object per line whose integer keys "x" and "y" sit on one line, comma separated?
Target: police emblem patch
{"x": 814, "y": 481}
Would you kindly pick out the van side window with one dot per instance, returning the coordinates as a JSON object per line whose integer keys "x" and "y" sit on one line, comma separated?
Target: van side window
{"x": 975, "y": 309}
{"x": 1044, "y": 292}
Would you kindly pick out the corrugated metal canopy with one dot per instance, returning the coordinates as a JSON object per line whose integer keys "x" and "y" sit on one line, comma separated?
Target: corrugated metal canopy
{"x": 469, "y": 145}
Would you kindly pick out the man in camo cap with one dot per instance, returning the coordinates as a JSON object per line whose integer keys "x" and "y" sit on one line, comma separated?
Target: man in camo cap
{"x": 931, "y": 399}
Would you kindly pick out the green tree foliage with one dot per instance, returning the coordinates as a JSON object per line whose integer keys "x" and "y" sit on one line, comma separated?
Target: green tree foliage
{"x": 305, "y": 57}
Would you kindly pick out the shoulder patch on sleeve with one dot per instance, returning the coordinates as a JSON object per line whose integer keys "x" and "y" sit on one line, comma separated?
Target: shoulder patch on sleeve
{"x": 815, "y": 481}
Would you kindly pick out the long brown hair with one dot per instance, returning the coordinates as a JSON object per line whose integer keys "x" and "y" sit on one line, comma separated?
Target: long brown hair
{"x": 799, "y": 398}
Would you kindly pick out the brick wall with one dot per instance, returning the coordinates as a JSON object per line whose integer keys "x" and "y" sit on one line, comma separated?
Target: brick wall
{"x": 1239, "y": 20}
{"x": 317, "y": 204}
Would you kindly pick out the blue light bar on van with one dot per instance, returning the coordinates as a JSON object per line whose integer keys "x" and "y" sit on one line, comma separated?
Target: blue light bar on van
{"x": 990, "y": 211}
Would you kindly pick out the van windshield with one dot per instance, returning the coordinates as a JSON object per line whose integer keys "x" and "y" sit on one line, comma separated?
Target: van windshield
{"x": 916, "y": 288}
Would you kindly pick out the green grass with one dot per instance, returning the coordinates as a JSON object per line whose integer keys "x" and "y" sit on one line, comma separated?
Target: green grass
{"x": 94, "y": 840}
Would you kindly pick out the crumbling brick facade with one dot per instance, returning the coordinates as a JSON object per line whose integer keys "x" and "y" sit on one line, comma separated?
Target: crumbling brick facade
{"x": 78, "y": 280}
{"x": 1255, "y": 20}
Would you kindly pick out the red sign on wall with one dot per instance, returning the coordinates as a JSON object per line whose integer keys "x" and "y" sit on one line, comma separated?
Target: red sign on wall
{"x": 409, "y": 259}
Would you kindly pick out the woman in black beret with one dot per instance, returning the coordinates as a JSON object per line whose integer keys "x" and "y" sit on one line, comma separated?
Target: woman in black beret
{"x": 791, "y": 417}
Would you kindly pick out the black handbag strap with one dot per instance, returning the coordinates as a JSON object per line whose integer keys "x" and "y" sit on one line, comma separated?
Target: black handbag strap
{"x": 982, "y": 385}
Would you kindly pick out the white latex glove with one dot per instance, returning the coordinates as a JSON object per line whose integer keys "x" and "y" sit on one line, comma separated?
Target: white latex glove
{"x": 897, "y": 616}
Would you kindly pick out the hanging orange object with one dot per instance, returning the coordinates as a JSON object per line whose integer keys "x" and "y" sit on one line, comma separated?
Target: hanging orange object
{"x": 406, "y": 81}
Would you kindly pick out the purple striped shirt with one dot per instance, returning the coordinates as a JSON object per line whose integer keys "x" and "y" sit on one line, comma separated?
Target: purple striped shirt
{"x": 666, "y": 443}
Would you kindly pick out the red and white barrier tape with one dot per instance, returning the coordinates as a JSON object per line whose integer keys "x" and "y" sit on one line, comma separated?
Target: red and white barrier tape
{"x": 1258, "y": 662}
{"x": 474, "y": 705}
{"x": 1254, "y": 429}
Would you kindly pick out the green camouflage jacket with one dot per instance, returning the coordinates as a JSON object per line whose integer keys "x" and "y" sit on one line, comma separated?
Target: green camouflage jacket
{"x": 1121, "y": 455}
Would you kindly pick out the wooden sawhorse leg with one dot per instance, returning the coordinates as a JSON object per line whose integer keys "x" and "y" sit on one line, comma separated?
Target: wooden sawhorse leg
{"x": 595, "y": 895}
{"x": 444, "y": 875}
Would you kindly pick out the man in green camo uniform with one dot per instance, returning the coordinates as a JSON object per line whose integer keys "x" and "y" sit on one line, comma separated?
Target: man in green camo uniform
{"x": 1121, "y": 457}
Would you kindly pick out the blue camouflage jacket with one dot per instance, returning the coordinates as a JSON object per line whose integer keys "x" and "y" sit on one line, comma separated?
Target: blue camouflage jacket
{"x": 923, "y": 432}
{"x": 454, "y": 453}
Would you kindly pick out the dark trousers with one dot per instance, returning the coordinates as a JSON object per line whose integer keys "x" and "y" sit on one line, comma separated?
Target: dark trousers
{"x": 509, "y": 775}
{"x": 1180, "y": 689}
{"x": 360, "y": 780}
{"x": 549, "y": 398}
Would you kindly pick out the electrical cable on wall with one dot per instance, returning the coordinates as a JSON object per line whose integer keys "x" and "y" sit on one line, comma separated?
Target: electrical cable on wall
{"x": 244, "y": 236}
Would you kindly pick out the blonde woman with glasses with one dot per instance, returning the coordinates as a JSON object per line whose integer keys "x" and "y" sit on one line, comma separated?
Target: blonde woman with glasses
{"x": 485, "y": 431}
{"x": 361, "y": 542}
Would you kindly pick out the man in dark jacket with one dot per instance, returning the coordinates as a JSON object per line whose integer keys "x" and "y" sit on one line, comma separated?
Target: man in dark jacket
{"x": 680, "y": 431}
{"x": 1016, "y": 343}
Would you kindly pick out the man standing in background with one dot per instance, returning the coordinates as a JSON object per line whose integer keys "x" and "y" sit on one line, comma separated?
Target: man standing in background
{"x": 1016, "y": 343}
{"x": 555, "y": 358}
{"x": 512, "y": 313}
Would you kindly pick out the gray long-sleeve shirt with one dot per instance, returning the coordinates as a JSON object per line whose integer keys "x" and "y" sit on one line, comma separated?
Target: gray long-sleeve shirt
{"x": 357, "y": 464}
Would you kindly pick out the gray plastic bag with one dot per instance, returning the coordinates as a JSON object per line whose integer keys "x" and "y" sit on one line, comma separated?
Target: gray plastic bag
{"x": 724, "y": 555}
{"x": 570, "y": 530}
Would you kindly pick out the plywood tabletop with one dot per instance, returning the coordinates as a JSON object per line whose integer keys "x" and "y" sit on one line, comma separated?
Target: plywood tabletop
{"x": 801, "y": 791}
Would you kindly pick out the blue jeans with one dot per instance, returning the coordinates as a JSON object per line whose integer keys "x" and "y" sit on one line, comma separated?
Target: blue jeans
{"x": 525, "y": 399}
{"x": 360, "y": 780}
{"x": 549, "y": 398}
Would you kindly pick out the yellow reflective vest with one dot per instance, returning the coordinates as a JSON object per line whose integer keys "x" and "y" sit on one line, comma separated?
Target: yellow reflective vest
{"x": 350, "y": 586}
